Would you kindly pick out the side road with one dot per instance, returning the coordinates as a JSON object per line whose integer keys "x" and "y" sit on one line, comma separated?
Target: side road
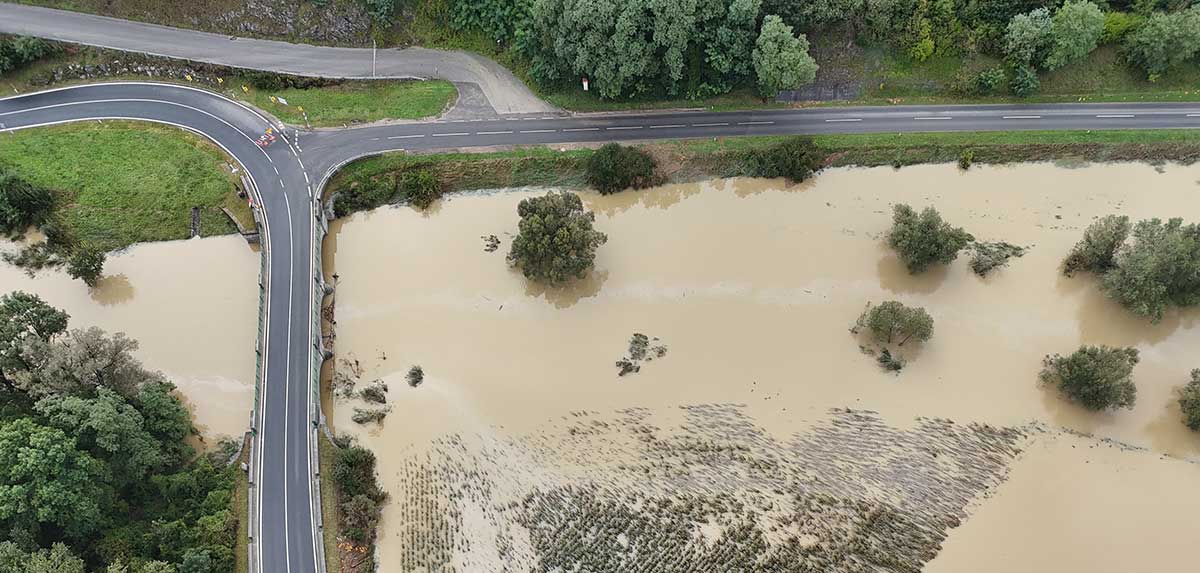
{"x": 503, "y": 91}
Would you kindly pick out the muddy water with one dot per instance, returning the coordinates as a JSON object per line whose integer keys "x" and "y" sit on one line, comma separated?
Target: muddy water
{"x": 752, "y": 285}
{"x": 191, "y": 305}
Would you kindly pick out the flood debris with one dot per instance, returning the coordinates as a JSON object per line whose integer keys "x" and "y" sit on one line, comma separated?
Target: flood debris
{"x": 370, "y": 415}
{"x": 987, "y": 257}
{"x": 375, "y": 393}
{"x": 490, "y": 243}
{"x": 642, "y": 348}
{"x": 345, "y": 378}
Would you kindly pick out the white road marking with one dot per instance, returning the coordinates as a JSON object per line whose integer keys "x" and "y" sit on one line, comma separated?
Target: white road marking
{"x": 932, "y": 117}
{"x": 1115, "y": 115}
{"x": 538, "y": 131}
{"x": 406, "y": 136}
{"x": 755, "y": 122}
{"x": 1022, "y": 117}
{"x": 450, "y": 134}
{"x": 667, "y": 126}
{"x": 709, "y": 124}
{"x": 306, "y": 177}
{"x": 582, "y": 129}
{"x": 491, "y": 132}
{"x": 841, "y": 120}
{"x": 1193, "y": 115}
{"x": 620, "y": 127}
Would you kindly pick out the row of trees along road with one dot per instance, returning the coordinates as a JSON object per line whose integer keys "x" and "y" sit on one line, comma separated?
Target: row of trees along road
{"x": 95, "y": 470}
{"x": 698, "y": 48}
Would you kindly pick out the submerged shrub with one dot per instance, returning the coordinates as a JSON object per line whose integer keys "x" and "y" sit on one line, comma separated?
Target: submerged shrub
{"x": 1098, "y": 377}
{"x": 1189, "y": 401}
{"x": 1097, "y": 251}
{"x": 924, "y": 239}
{"x": 987, "y": 257}
{"x": 795, "y": 159}
{"x": 1160, "y": 267}
{"x": 893, "y": 322}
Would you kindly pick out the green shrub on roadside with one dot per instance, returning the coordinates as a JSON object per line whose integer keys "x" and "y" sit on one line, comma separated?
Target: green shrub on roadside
{"x": 363, "y": 195}
{"x": 420, "y": 186}
{"x": 965, "y": 158}
{"x": 1189, "y": 401}
{"x": 1098, "y": 377}
{"x": 614, "y": 168}
{"x": 358, "y": 491}
{"x": 1024, "y": 81}
{"x": 794, "y": 159}
{"x": 989, "y": 81}
{"x": 1118, "y": 24}
{"x": 20, "y": 51}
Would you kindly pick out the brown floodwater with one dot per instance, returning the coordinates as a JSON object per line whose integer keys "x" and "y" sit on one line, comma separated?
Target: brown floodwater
{"x": 751, "y": 285}
{"x": 191, "y": 305}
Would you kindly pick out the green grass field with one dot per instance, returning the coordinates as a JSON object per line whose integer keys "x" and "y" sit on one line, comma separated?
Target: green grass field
{"x": 356, "y": 102}
{"x": 122, "y": 183}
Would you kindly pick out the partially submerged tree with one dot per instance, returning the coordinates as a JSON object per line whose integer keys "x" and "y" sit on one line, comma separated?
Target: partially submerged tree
{"x": 86, "y": 264}
{"x": 893, "y": 322}
{"x": 555, "y": 241}
{"x": 1160, "y": 267}
{"x": 781, "y": 60}
{"x": 1098, "y": 377}
{"x": 1189, "y": 401}
{"x": 1097, "y": 251}
{"x": 22, "y": 204}
{"x": 24, "y": 316}
{"x": 925, "y": 239}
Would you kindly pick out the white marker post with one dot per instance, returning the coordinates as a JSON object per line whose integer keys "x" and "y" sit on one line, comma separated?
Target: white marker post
{"x": 373, "y": 50}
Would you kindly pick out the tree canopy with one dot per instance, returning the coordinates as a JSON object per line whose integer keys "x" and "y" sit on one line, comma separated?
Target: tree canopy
{"x": 924, "y": 239}
{"x": 555, "y": 239}
{"x": 614, "y": 168}
{"x": 781, "y": 60}
{"x": 1164, "y": 41}
{"x": 892, "y": 322}
{"x": 1160, "y": 267}
{"x": 1098, "y": 377}
{"x": 1189, "y": 401}
{"x": 1077, "y": 28}
{"x": 1097, "y": 251}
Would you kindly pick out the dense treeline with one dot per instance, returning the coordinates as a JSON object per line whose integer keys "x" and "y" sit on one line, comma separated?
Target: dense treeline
{"x": 94, "y": 467}
{"x": 696, "y": 48}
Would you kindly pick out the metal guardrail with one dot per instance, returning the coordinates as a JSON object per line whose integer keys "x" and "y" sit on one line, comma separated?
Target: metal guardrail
{"x": 251, "y": 477}
{"x": 319, "y": 228}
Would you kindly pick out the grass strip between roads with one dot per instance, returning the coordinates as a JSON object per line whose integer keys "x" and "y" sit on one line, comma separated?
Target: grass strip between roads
{"x": 355, "y": 102}
{"x": 689, "y": 160}
{"x": 120, "y": 183}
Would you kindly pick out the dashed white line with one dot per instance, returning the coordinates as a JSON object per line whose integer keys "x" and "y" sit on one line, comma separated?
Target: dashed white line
{"x": 843, "y": 119}
{"x": 755, "y": 122}
{"x": 1189, "y": 115}
{"x": 406, "y": 136}
{"x": 620, "y": 127}
{"x": 491, "y": 132}
{"x": 709, "y": 124}
{"x": 306, "y": 178}
{"x": 932, "y": 117}
{"x": 667, "y": 126}
{"x": 1115, "y": 115}
{"x": 1022, "y": 117}
{"x": 537, "y": 131}
{"x": 582, "y": 129}
{"x": 450, "y": 134}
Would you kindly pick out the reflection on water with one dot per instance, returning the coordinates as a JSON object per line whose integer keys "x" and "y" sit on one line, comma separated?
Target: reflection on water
{"x": 753, "y": 286}
{"x": 191, "y": 305}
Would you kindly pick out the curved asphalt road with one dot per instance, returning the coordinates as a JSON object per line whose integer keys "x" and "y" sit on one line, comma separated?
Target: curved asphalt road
{"x": 286, "y": 174}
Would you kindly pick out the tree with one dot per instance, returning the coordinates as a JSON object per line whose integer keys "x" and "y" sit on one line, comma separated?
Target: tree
{"x": 354, "y": 473}
{"x": 893, "y": 322}
{"x": 1164, "y": 41}
{"x": 360, "y": 515}
{"x": 1077, "y": 28}
{"x": 1159, "y": 268}
{"x": 1028, "y": 37}
{"x": 80, "y": 362}
{"x": 1098, "y": 377}
{"x": 781, "y": 60}
{"x": 86, "y": 264}
{"x": 22, "y": 316}
{"x": 555, "y": 239}
{"x": 1189, "y": 401}
{"x": 1097, "y": 251}
{"x": 45, "y": 479}
{"x": 727, "y": 51}
{"x": 57, "y": 559}
{"x": 615, "y": 168}
{"x": 108, "y": 428}
{"x": 925, "y": 239}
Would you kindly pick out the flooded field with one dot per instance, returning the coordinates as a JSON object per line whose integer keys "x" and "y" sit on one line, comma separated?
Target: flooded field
{"x": 762, "y": 429}
{"x": 191, "y": 305}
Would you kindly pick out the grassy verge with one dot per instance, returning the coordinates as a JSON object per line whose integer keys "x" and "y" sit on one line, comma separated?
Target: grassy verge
{"x": 377, "y": 180}
{"x": 121, "y": 183}
{"x": 354, "y": 102}
{"x": 241, "y": 509}
{"x": 329, "y": 512}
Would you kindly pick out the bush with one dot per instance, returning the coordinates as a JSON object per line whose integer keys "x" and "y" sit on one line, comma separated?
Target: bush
{"x": 18, "y": 52}
{"x": 22, "y": 204}
{"x": 795, "y": 159}
{"x": 924, "y": 239}
{"x": 86, "y": 264}
{"x": 1097, "y": 251}
{"x": 354, "y": 473}
{"x": 965, "y": 159}
{"x": 420, "y": 186}
{"x": 989, "y": 81}
{"x": 555, "y": 240}
{"x": 1098, "y": 377}
{"x": 1189, "y": 401}
{"x": 987, "y": 257}
{"x": 615, "y": 168}
{"x": 1119, "y": 24}
{"x": 1025, "y": 81}
{"x": 364, "y": 195}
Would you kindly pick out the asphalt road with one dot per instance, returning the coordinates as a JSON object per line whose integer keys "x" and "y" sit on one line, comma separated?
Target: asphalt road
{"x": 504, "y": 91}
